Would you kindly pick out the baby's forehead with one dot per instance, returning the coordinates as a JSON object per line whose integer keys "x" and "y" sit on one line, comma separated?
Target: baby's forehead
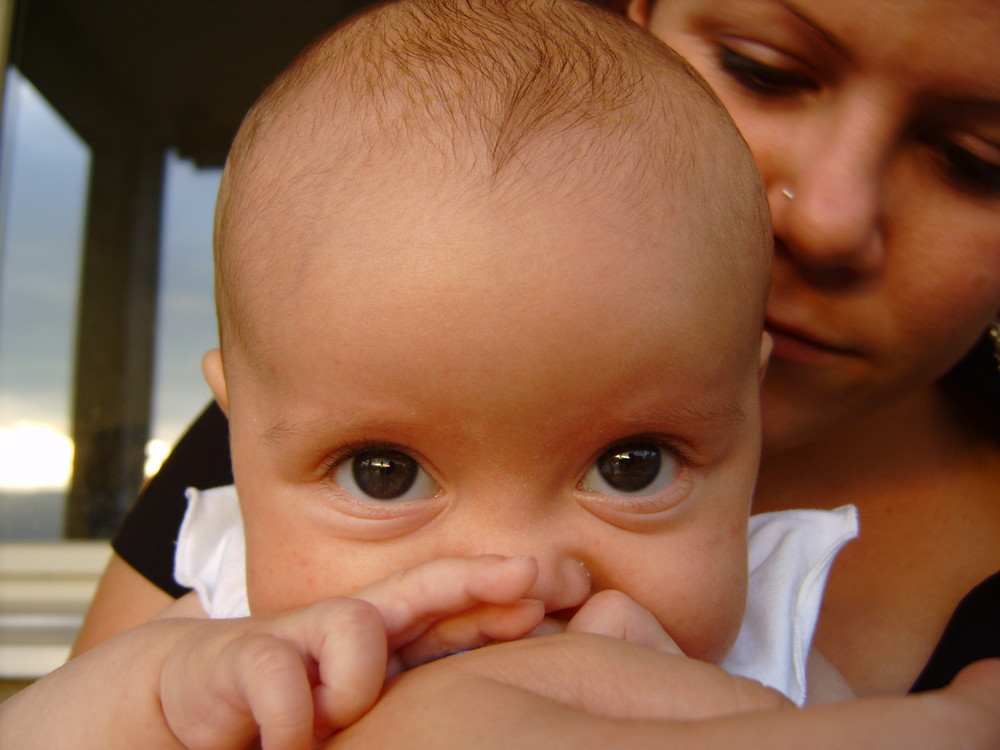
{"x": 550, "y": 232}
{"x": 530, "y": 244}
{"x": 324, "y": 172}
{"x": 480, "y": 310}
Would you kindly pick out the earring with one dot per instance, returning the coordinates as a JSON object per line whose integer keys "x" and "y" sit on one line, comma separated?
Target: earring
{"x": 994, "y": 332}
{"x": 787, "y": 192}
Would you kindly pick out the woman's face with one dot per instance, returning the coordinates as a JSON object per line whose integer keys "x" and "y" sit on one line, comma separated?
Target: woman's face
{"x": 876, "y": 126}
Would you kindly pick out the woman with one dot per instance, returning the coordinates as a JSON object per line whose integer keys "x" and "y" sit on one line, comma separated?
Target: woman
{"x": 876, "y": 127}
{"x": 883, "y": 171}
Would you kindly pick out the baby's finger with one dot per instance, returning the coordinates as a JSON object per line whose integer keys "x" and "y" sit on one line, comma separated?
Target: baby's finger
{"x": 411, "y": 600}
{"x": 346, "y": 638}
{"x": 486, "y": 623}
{"x": 271, "y": 676}
{"x": 615, "y": 614}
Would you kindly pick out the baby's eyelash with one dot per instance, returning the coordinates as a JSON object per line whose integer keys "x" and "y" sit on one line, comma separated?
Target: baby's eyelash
{"x": 331, "y": 463}
{"x": 380, "y": 474}
{"x": 636, "y": 468}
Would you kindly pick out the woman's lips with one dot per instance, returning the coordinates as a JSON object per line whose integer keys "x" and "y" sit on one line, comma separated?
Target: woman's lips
{"x": 794, "y": 345}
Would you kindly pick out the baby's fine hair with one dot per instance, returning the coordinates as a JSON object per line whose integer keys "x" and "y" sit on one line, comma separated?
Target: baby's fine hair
{"x": 480, "y": 81}
{"x": 499, "y": 70}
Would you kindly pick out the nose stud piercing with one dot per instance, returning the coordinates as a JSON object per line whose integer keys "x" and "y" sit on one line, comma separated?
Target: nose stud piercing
{"x": 787, "y": 192}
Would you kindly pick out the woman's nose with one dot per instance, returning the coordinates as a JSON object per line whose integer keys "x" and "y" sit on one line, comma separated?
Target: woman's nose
{"x": 827, "y": 204}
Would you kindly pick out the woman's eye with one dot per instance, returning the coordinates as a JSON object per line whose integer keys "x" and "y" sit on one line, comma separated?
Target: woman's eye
{"x": 968, "y": 171}
{"x": 383, "y": 474}
{"x": 762, "y": 79}
{"x": 641, "y": 467}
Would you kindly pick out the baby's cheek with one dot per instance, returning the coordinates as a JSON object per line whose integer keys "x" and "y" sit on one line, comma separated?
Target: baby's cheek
{"x": 281, "y": 579}
{"x": 722, "y": 628}
{"x": 704, "y": 620}
{"x": 259, "y": 593}
{"x": 265, "y": 592}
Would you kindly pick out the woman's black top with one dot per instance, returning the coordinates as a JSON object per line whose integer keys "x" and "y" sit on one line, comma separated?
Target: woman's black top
{"x": 148, "y": 536}
{"x": 973, "y": 633}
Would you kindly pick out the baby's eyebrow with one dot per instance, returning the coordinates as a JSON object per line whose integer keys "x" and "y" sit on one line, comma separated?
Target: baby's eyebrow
{"x": 728, "y": 414}
{"x": 281, "y": 432}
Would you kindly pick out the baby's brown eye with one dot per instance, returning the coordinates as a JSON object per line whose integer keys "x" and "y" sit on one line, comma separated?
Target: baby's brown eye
{"x": 638, "y": 467}
{"x": 384, "y": 474}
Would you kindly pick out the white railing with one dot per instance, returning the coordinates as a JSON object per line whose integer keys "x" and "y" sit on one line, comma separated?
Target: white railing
{"x": 44, "y": 592}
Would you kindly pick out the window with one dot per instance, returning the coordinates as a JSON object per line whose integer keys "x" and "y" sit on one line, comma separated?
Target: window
{"x": 117, "y": 118}
{"x": 44, "y": 174}
{"x": 44, "y": 171}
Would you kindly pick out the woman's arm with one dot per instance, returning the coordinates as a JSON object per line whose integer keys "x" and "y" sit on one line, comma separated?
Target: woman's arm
{"x": 107, "y": 698}
{"x": 585, "y": 691}
{"x": 124, "y": 598}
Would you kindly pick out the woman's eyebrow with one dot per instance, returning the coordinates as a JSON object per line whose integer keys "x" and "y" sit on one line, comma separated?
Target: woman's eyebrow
{"x": 974, "y": 107}
{"x": 827, "y": 36}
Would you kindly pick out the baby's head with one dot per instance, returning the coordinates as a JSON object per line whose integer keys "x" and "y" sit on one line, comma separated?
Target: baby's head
{"x": 491, "y": 277}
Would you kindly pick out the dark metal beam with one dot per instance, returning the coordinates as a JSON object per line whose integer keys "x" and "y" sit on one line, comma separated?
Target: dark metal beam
{"x": 115, "y": 335}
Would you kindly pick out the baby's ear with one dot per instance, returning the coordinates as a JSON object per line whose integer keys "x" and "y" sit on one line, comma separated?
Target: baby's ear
{"x": 638, "y": 11}
{"x": 215, "y": 376}
{"x": 766, "y": 342}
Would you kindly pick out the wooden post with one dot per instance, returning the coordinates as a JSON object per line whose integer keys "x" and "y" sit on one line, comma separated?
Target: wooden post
{"x": 115, "y": 339}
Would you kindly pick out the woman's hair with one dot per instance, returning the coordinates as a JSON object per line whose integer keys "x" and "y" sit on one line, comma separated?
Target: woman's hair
{"x": 978, "y": 375}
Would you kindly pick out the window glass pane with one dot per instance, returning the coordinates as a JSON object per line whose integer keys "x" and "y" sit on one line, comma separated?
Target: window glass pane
{"x": 185, "y": 327}
{"x": 44, "y": 172}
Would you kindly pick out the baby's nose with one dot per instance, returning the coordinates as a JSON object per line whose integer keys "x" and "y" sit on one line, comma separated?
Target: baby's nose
{"x": 525, "y": 525}
{"x": 564, "y": 582}
{"x": 564, "y": 579}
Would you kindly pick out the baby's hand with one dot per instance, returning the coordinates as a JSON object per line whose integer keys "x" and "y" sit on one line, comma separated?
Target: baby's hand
{"x": 452, "y": 604}
{"x": 617, "y": 615}
{"x": 299, "y": 676}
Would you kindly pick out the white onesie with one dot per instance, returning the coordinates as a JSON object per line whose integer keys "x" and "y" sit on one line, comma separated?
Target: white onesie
{"x": 790, "y": 554}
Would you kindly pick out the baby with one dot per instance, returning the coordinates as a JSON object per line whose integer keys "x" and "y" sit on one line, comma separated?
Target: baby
{"x": 490, "y": 282}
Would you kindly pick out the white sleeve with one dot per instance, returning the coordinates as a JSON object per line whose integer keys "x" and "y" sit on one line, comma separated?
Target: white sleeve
{"x": 790, "y": 555}
{"x": 211, "y": 554}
